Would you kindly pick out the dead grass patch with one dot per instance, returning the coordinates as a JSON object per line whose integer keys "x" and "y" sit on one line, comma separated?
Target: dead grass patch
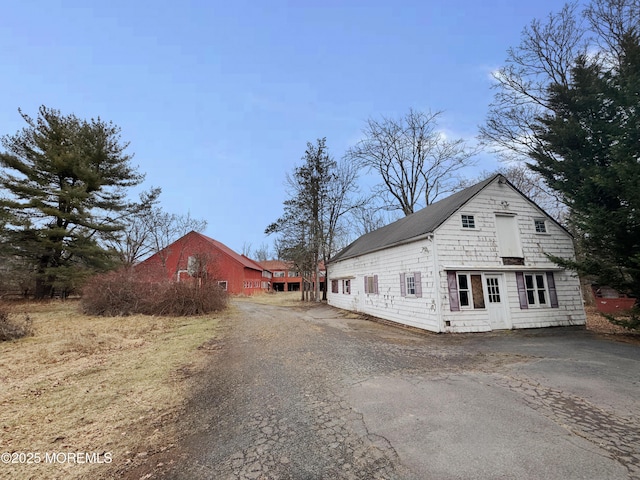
{"x": 599, "y": 324}
{"x": 281, "y": 299}
{"x": 95, "y": 384}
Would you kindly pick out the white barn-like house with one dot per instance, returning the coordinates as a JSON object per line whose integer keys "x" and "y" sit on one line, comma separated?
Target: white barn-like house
{"x": 473, "y": 262}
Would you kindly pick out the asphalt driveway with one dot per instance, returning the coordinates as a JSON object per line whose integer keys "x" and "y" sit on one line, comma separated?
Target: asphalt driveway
{"x": 309, "y": 393}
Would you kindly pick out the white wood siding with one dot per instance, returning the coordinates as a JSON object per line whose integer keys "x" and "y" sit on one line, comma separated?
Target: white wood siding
{"x": 389, "y": 303}
{"x": 464, "y": 250}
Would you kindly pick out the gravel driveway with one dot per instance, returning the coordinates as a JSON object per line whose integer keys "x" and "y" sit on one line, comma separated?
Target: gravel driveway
{"x": 309, "y": 393}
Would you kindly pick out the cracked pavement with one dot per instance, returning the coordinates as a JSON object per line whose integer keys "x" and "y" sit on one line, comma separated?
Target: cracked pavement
{"x": 313, "y": 393}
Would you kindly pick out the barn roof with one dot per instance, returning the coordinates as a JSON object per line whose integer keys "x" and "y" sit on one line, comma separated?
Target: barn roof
{"x": 272, "y": 265}
{"x": 419, "y": 223}
{"x": 245, "y": 261}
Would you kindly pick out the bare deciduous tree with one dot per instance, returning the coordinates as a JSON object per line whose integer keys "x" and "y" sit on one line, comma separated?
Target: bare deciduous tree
{"x": 261, "y": 254}
{"x": 320, "y": 196}
{"x": 367, "y": 218}
{"x": 150, "y": 229}
{"x": 341, "y": 200}
{"x": 246, "y": 249}
{"x": 416, "y": 162}
{"x": 545, "y": 57}
{"x": 532, "y": 185}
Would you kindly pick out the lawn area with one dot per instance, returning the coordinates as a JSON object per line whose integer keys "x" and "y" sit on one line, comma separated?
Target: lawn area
{"x": 108, "y": 387}
{"x": 112, "y": 388}
{"x": 281, "y": 299}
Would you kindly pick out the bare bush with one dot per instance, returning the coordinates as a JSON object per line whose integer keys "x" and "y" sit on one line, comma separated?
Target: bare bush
{"x": 124, "y": 293}
{"x": 12, "y": 328}
{"x": 112, "y": 294}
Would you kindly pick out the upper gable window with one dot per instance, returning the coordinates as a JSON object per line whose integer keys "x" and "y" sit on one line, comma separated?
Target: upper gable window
{"x": 540, "y": 225}
{"x": 468, "y": 221}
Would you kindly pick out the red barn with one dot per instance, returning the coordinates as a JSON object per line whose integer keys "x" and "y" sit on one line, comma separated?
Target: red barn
{"x": 285, "y": 277}
{"x": 194, "y": 254}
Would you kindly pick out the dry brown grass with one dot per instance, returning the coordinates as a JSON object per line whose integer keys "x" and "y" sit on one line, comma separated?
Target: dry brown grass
{"x": 94, "y": 384}
{"x": 599, "y": 324}
{"x": 282, "y": 299}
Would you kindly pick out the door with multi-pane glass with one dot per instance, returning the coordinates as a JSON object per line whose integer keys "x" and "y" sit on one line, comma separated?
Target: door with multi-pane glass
{"x": 496, "y": 301}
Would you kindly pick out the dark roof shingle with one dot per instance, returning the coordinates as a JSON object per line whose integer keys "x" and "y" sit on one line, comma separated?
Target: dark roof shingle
{"x": 419, "y": 223}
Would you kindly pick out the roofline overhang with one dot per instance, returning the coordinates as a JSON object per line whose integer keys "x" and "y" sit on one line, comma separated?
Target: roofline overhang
{"x": 502, "y": 268}
{"x": 391, "y": 245}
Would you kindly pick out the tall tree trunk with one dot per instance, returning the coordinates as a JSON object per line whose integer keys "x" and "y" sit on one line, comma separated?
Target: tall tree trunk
{"x": 317, "y": 279}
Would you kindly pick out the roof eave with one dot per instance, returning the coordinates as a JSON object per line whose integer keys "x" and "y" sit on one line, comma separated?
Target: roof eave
{"x": 385, "y": 247}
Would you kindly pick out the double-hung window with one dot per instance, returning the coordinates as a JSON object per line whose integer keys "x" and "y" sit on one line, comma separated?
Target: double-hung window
{"x": 411, "y": 284}
{"x": 537, "y": 289}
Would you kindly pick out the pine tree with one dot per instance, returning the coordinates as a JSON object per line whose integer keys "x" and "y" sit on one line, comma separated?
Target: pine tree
{"x": 303, "y": 227}
{"x": 589, "y": 152}
{"x": 63, "y": 184}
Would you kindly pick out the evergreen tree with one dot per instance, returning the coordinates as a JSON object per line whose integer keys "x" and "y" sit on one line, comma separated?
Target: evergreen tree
{"x": 589, "y": 152}
{"x": 63, "y": 184}
{"x": 320, "y": 195}
{"x": 302, "y": 226}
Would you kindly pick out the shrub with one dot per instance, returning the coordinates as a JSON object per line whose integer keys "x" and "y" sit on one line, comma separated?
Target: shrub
{"x": 111, "y": 294}
{"x": 126, "y": 293}
{"x": 12, "y": 329}
{"x": 629, "y": 320}
{"x": 182, "y": 299}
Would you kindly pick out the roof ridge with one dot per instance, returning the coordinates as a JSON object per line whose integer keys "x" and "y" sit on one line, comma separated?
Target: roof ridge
{"x": 424, "y": 221}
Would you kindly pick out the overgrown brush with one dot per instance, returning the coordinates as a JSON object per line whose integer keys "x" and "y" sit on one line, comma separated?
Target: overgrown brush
{"x": 125, "y": 292}
{"x": 629, "y": 320}
{"x": 12, "y": 328}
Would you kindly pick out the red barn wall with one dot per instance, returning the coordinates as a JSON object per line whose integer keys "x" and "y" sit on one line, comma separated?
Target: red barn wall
{"x": 172, "y": 262}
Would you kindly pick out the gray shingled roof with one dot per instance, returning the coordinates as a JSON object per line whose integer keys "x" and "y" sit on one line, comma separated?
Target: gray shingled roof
{"x": 422, "y": 222}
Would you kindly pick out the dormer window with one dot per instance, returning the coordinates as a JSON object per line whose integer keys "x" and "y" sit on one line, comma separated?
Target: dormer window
{"x": 540, "y": 225}
{"x": 468, "y": 221}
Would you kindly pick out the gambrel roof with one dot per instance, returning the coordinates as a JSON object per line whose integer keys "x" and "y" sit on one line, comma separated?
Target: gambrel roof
{"x": 420, "y": 223}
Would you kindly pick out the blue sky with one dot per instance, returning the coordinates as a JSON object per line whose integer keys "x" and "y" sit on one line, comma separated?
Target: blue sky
{"x": 218, "y": 99}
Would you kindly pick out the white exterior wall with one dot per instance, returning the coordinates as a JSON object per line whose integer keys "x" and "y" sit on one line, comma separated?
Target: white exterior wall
{"x": 476, "y": 250}
{"x": 453, "y": 248}
{"x": 389, "y": 303}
